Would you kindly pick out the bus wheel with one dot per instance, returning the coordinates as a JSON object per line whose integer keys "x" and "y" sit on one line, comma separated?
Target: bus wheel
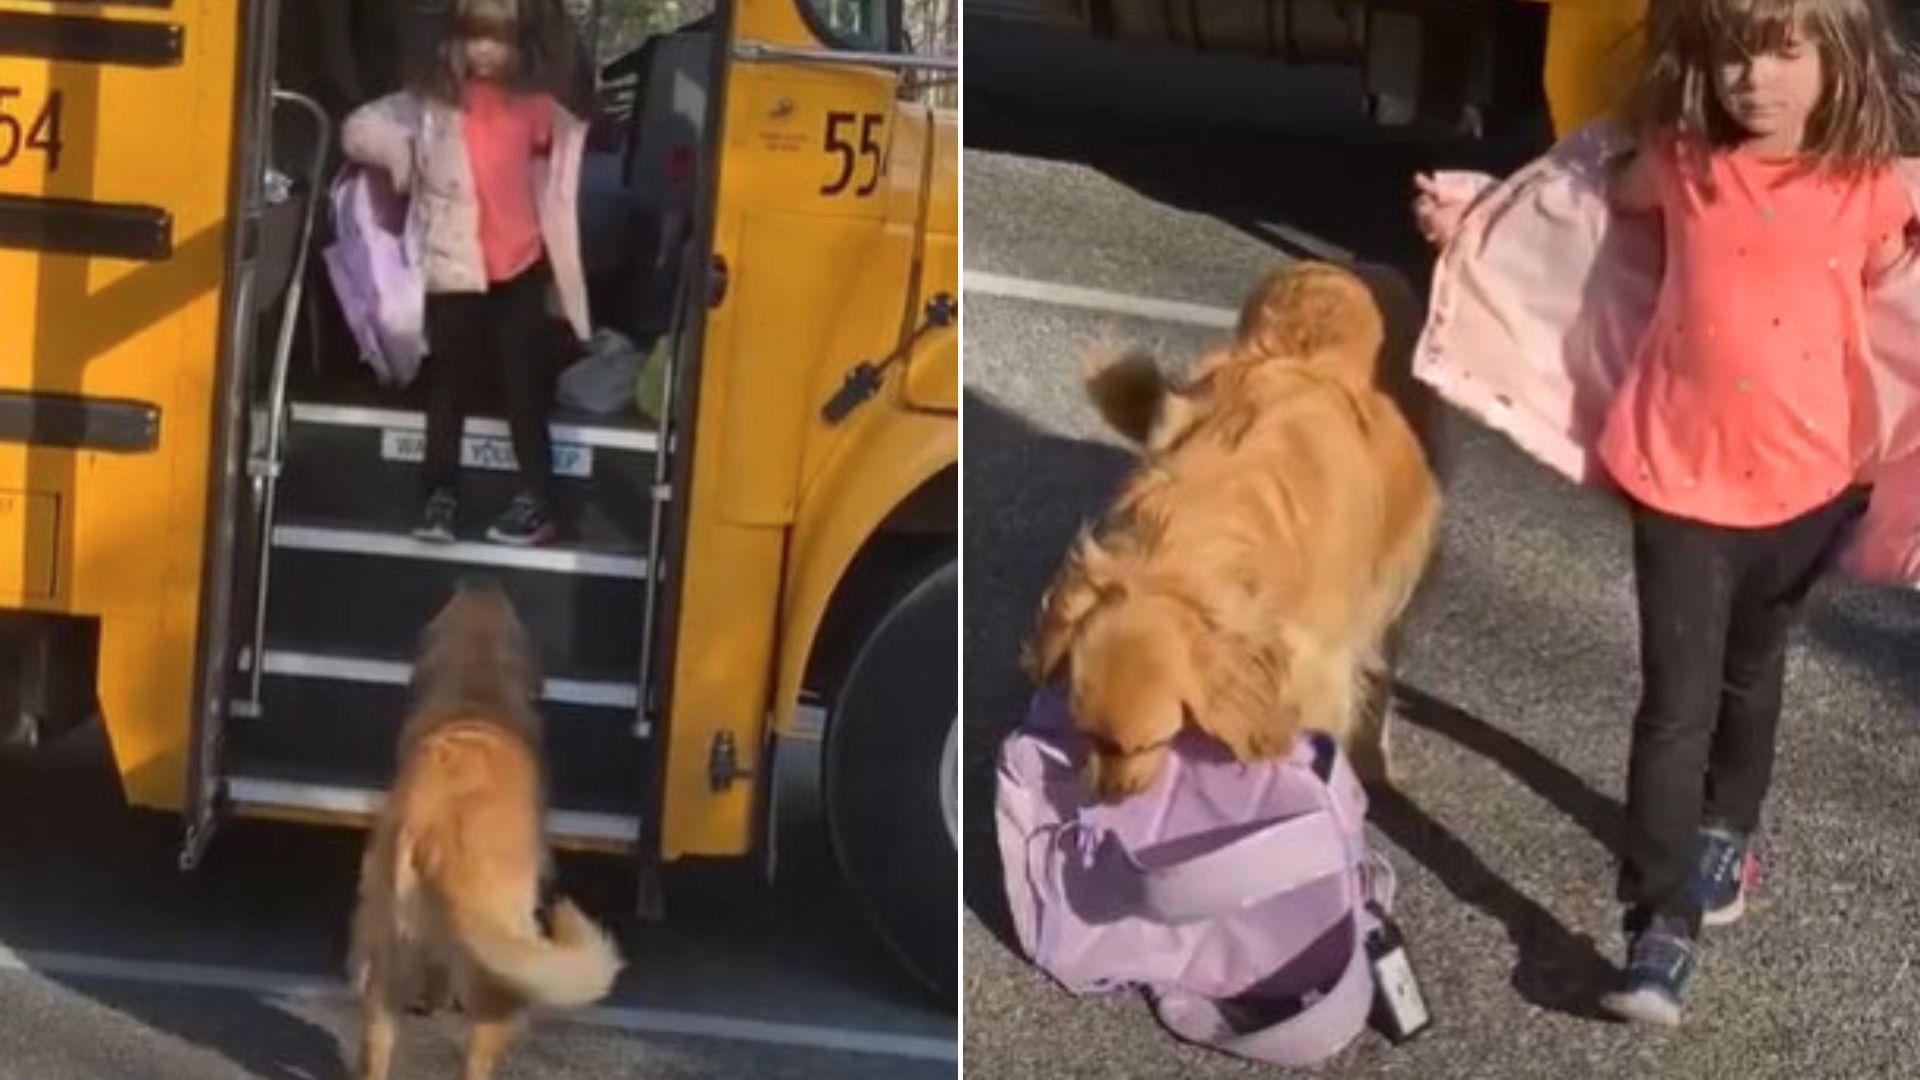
{"x": 890, "y": 778}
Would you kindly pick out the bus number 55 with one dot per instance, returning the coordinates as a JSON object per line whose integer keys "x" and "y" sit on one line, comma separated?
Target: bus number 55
{"x": 42, "y": 134}
{"x": 838, "y": 143}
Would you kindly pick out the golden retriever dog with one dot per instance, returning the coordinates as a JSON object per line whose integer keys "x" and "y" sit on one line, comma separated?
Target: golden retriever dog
{"x": 450, "y": 885}
{"x": 1248, "y": 573}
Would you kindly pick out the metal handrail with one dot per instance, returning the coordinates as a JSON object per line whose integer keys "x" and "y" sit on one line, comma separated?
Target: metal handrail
{"x": 753, "y": 52}
{"x": 266, "y": 467}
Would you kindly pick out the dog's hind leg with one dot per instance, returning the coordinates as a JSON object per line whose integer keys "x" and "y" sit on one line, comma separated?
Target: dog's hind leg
{"x": 495, "y": 1015}
{"x": 1367, "y": 744}
{"x": 376, "y": 1041}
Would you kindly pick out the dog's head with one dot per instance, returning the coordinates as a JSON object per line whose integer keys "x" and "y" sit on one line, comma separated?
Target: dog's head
{"x": 1141, "y": 661}
{"x": 477, "y": 649}
{"x": 1132, "y": 687}
{"x": 1316, "y": 313}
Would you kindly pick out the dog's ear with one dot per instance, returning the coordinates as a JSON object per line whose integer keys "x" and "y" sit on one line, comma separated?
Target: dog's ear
{"x": 1127, "y": 389}
{"x": 1082, "y": 584}
{"x": 1237, "y": 696}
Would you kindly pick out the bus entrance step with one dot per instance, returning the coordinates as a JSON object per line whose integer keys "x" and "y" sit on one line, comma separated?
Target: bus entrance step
{"x": 362, "y": 464}
{"x": 582, "y": 608}
{"x": 338, "y": 719}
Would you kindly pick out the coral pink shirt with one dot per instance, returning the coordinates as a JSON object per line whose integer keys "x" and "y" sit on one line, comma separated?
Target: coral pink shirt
{"x": 1741, "y": 406}
{"x": 504, "y": 132}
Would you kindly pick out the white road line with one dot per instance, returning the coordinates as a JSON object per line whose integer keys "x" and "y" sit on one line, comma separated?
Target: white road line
{"x": 603, "y": 695}
{"x": 1102, "y": 300}
{"x": 1325, "y": 250}
{"x": 363, "y": 542}
{"x": 287, "y": 986}
{"x": 363, "y": 416}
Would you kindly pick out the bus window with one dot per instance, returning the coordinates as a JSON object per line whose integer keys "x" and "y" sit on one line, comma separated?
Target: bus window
{"x": 852, "y": 24}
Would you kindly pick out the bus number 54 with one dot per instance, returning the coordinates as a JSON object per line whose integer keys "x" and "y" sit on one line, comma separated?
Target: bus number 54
{"x": 42, "y": 133}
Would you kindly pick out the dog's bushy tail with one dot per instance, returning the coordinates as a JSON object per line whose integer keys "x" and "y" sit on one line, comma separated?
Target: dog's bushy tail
{"x": 576, "y": 966}
{"x": 1127, "y": 389}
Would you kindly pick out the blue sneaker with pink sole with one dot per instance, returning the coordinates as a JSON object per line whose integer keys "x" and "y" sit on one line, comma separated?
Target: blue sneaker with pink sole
{"x": 1724, "y": 876}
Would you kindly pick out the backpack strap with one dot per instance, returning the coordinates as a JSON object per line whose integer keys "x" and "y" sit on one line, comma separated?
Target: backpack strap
{"x": 1276, "y": 858}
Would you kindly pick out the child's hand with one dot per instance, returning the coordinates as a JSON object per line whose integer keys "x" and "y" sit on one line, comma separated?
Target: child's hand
{"x": 1436, "y": 213}
{"x": 401, "y": 168}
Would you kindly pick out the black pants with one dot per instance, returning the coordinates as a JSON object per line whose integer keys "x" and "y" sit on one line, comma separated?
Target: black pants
{"x": 501, "y": 333}
{"x": 1716, "y": 605}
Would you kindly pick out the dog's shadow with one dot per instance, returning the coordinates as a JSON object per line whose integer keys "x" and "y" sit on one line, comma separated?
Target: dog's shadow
{"x": 1027, "y": 493}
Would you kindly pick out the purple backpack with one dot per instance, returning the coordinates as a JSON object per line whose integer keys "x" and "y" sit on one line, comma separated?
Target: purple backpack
{"x": 375, "y": 270}
{"x": 1240, "y": 897}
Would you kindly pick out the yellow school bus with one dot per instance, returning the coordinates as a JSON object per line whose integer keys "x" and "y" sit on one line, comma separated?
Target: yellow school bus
{"x": 204, "y": 494}
{"x": 1507, "y": 67}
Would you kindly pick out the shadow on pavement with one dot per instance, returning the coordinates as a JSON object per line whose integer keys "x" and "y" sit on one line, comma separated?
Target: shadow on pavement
{"x": 260, "y": 1038}
{"x": 1273, "y": 151}
{"x": 1027, "y": 493}
{"x": 132, "y": 892}
{"x": 1545, "y": 777}
{"x": 1876, "y": 628}
{"x": 1558, "y": 969}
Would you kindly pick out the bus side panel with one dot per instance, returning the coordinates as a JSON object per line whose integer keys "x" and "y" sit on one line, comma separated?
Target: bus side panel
{"x": 1593, "y": 51}
{"x": 109, "y": 511}
{"x": 816, "y": 282}
{"x": 888, "y": 457}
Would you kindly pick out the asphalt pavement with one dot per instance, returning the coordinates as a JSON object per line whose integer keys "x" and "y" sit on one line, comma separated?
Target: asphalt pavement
{"x": 1113, "y": 196}
{"x": 114, "y": 966}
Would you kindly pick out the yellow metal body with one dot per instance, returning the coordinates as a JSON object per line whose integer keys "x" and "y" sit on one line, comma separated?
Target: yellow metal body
{"x": 832, "y": 253}
{"x": 1593, "y": 50}
{"x": 827, "y": 267}
{"x": 119, "y": 535}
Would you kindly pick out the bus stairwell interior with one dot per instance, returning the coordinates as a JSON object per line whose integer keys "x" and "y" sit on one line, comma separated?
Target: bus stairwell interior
{"x": 346, "y": 589}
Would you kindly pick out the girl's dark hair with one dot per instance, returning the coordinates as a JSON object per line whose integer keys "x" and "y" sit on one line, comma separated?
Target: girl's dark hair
{"x": 1869, "y": 112}
{"x": 542, "y": 35}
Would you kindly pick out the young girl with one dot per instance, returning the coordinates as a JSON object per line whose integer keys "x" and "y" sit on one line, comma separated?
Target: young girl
{"x": 490, "y": 162}
{"x": 1744, "y": 428}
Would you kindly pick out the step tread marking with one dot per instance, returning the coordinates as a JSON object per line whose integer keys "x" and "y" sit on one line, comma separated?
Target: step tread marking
{"x": 638, "y": 440}
{"x": 361, "y": 669}
{"x": 332, "y": 798}
{"x": 564, "y": 560}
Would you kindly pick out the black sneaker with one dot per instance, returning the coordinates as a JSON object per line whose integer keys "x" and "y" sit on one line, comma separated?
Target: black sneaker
{"x": 525, "y": 524}
{"x": 1726, "y": 872}
{"x": 1659, "y": 962}
{"x": 437, "y": 517}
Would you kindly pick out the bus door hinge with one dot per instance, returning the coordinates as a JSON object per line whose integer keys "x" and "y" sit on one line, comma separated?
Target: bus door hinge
{"x": 199, "y": 833}
{"x": 723, "y": 762}
{"x": 864, "y": 380}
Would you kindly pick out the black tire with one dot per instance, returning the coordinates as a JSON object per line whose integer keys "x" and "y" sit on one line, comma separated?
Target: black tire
{"x": 885, "y": 742}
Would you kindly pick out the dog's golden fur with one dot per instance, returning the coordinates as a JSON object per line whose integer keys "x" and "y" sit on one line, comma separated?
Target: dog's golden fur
{"x": 450, "y": 882}
{"x": 1247, "y": 575}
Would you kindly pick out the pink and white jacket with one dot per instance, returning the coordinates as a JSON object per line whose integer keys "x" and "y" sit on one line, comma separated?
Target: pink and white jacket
{"x": 1541, "y": 298}
{"x": 419, "y": 144}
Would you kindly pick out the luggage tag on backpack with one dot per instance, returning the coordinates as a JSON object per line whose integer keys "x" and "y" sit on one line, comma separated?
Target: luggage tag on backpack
{"x": 1399, "y": 1007}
